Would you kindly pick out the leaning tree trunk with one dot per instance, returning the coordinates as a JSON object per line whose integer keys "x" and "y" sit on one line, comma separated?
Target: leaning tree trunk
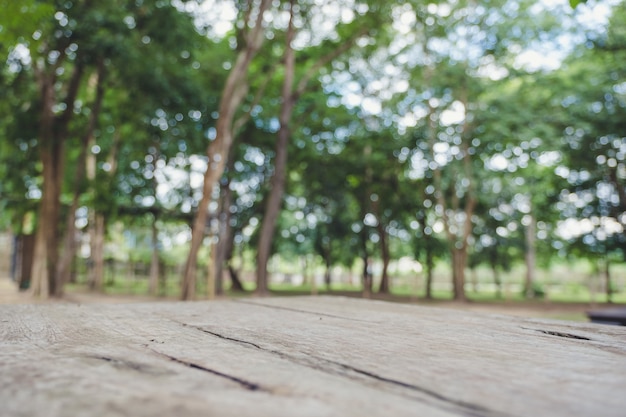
{"x": 97, "y": 218}
{"x": 71, "y": 245}
{"x": 216, "y": 152}
{"x": 229, "y": 250}
{"x": 272, "y": 209}
{"x": 233, "y": 94}
{"x": 277, "y": 182}
{"x": 237, "y": 285}
{"x": 289, "y": 97}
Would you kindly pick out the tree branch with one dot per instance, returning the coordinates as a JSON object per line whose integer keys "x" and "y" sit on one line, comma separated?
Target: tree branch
{"x": 324, "y": 60}
{"x": 244, "y": 118}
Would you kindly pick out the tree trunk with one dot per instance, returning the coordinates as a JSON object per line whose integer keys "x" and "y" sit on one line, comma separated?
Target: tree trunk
{"x": 459, "y": 261}
{"x": 39, "y": 282}
{"x": 309, "y": 276}
{"x": 367, "y": 277}
{"x": 530, "y": 257}
{"x": 50, "y": 213}
{"x": 210, "y": 273}
{"x": 229, "y": 249}
{"x": 496, "y": 280}
{"x": 277, "y": 182}
{"x": 289, "y": 98}
{"x": 153, "y": 280}
{"x": 97, "y": 233}
{"x": 384, "y": 248}
{"x": 607, "y": 280}
{"x": 96, "y": 256}
{"x": 70, "y": 247}
{"x": 52, "y": 135}
{"x": 237, "y": 285}
{"x": 327, "y": 273}
{"x": 474, "y": 279}
{"x": 225, "y": 238}
{"x": 23, "y": 260}
{"x": 218, "y": 267}
{"x": 457, "y": 240}
{"x": 430, "y": 265}
{"x": 304, "y": 266}
{"x": 272, "y": 210}
{"x": 233, "y": 94}
{"x": 42, "y": 281}
{"x": 615, "y": 179}
{"x": 48, "y": 226}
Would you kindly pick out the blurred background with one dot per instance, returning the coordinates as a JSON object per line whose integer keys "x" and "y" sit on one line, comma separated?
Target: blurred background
{"x": 452, "y": 150}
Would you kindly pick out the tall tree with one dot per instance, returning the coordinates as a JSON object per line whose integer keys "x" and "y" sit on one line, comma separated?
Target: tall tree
{"x": 53, "y": 132}
{"x": 589, "y": 93}
{"x": 290, "y": 95}
{"x": 277, "y": 182}
{"x": 251, "y": 37}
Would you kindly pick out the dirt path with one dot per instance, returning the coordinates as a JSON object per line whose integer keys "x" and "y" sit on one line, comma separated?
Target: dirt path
{"x": 541, "y": 309}
{"x": 9, "y": 294}
{"x": 534, "y": 308}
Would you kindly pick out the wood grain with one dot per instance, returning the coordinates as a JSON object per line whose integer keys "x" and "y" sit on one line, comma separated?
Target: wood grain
{"x": 303, "y": 356}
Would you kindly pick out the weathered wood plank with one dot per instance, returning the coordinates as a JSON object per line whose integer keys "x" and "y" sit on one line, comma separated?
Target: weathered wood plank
{"x": 305, "y": 356}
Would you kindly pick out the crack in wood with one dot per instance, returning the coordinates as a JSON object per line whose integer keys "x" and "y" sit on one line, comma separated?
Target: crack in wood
{"x": 565, "y": 335}
{"x": 115, "y": 361}
{"x": 596, "y": 344}
{"x": 322, "y": 364}
{"x": 559, "y": 334}
{"x": 250, "y": 386}
{"x": 232, "y": 339}
{"x": 468, "y": 409}
{"x": 126, "y": 364}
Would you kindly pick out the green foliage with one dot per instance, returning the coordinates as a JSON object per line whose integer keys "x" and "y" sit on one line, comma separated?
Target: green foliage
{"x": 21, "y": 19}
{"x": 575, "y": 3}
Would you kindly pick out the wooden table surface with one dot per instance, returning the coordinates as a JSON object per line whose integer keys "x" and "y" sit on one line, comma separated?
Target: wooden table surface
{"x": 303, "y": 356}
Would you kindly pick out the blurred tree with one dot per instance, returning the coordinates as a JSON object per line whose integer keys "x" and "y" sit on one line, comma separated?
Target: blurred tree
{"x": 250, "y": 37}
{"x": 461, "y": 51}
{"x": 592, "y": 98}
{"x": 294, "y": 86}
{"x": 68, "y": 51}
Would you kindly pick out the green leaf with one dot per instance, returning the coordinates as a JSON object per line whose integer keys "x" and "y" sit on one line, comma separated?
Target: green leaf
{"x": 575, "y": 3}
